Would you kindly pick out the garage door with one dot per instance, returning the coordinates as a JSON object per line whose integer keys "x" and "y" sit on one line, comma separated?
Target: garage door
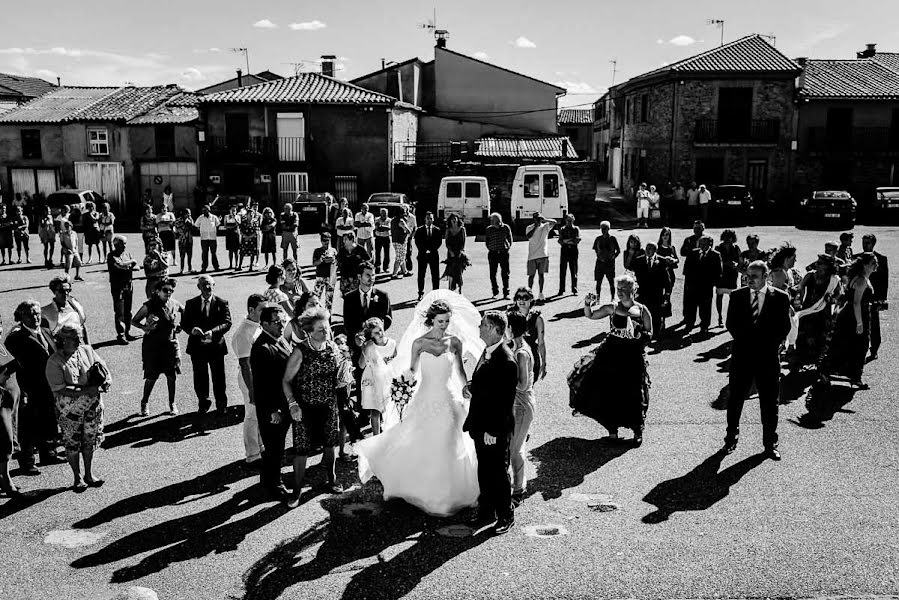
{"x": 182, "y": 176}
{"x": 107, "y": 178}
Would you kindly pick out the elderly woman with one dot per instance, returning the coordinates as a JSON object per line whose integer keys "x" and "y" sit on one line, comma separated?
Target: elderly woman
{"x": 78, "y": 375}
{"x": 273, "y": 295}
{"x": 309, "y": 385}
{"x": 64, "y": 309}
{"x": 250, "y": 224}
{"x": 148, "y": 229}
{"x": 9, "y": 398}
{"x": 524, "y": 305}
{"x": 294, "y": 332}
{"x": 160, "y": 319}
{"x": 611, "y": 384}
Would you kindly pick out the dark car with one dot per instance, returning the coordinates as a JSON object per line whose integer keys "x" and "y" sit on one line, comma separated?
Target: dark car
{"x": 886, "y": 203}
{"x": 393, "y": 202}
{"x": 732, "y": 202}
{"x": 828, "y": 208}
{"x": 312, "y": 210}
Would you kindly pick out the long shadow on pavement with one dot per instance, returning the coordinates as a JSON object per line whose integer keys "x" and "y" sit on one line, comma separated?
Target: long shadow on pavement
{"x": 141, "y": 433}
{"x": 823, "y": 403}
{"x": 28, "y": 499}
{"x": 564, "y": 463}
{"x": 351, "y": 544}
{"x": 699, "y": 489}
{"x": 206, "y": 485}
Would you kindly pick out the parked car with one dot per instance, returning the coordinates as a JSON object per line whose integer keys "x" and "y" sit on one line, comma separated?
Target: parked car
{"x": 74, "y": 199}
{"x": 886, "y": 203}
{"x": 393, "y": 202}
{"x": 828, "y": 208}
{"x": 312, "y": 210}
{"x": 732, "y": 202}
{"x": 467, "y": 196}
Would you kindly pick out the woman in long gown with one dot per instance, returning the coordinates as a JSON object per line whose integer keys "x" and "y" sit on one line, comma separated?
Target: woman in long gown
{"x": 425, "y": 459}
{"x": 611, "y": 384}
{"x": 666, "y": 252}
{"x": 817, "y": 295}
{"x": 456, "y": 259}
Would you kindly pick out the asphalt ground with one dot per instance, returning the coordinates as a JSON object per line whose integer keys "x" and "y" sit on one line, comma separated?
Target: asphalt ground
{"x": 180, "y": 515}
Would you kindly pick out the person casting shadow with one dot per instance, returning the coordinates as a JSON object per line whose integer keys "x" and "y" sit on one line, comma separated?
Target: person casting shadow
{"x": 564, "y": 462}
{"x": 699, "y": 489}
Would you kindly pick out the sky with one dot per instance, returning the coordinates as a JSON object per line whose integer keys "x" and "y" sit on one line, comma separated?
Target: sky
{"x": 569, "y": 43}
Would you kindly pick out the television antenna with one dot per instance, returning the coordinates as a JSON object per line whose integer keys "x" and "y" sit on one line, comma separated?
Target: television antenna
{"x": 614, "y": 63}
{"x": 719, "y": 23}
{"x": 431, "y": 25}
{"x": 297, "y": 67}
{"x": 246, "y": 55}
{"x": 770, "y": 37}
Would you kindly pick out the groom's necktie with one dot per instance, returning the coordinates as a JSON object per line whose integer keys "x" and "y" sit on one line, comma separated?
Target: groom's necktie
{"x": 482, "y": 360}
{"x": 756, "y": 309}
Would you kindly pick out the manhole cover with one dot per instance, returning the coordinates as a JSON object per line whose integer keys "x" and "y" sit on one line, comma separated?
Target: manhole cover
{"x": 361, "y": 510}
{"x": 455, "y": 531}
{"x": 73, "y": 538}
{"x": 543, "y": 531}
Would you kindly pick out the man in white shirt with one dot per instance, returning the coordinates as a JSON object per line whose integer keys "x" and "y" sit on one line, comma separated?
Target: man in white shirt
{"x": 704, "y": 198}
{"x": 242, "y": 343}
{"x": 365, "y": 229}
{"x": 208, "y": 225}
{"x": 537, "y": 234}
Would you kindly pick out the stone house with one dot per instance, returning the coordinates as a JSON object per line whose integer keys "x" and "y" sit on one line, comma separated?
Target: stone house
{"x": 848, "y": 131}
{"x": 725, "y": 116}
{"x": 107, "y": 139}
{"x": 310, "y": 132}
{"x": 577, "y": 125}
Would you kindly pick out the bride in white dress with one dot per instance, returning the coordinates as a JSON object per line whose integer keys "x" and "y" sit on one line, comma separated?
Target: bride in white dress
{"x": 425, "y": 458}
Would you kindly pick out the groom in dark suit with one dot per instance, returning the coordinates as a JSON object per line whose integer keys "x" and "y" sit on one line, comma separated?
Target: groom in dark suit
{"x": 491, "y": 421}
{"x": 758, "y": 318}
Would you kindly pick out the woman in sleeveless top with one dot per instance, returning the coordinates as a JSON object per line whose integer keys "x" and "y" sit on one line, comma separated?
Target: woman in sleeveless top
{"x": 456, "y": 259}
{"x": 611, "y": 384}
{"x": 523, "y": 409}
{"x": 817, "y": 295}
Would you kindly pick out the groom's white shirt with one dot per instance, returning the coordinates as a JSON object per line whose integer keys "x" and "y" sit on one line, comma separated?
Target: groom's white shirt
{"x": 488, "y": 352}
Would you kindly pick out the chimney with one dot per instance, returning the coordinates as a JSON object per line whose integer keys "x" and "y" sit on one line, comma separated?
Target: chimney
{"x": 58, "y": 81}
{"x": 442, "y": 35}
{"x": 802, "y": 61}
{"x": 328, "y": 65}
{"x": 239, "y": 78}
{"x": 869, "y": 51}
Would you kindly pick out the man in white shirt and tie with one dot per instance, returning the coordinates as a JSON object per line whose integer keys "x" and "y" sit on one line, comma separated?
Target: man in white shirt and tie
{"x": 758, "y": 318}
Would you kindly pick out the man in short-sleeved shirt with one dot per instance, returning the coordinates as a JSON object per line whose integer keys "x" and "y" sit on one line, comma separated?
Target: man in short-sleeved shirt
{"x": 289, "y": 224}
{"x": 607, "y": 250}
{"x": 365, "y": 229}
{"x": 208, "y": 225}
{"x": 537, "y": 234}
{"x": 242, "y": 343}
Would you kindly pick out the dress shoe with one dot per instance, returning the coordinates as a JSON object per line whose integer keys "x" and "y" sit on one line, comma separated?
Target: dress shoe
{"x": 253, "y": 465}
{"x": 95, "y": 483}
{"x": 503, "y": 526}
{"x": 480, "y": 519}
{"x": 278, "y": 493}
{"x": 121, "y": 341}
{"x": 332, "y": 487}
{"x": 79, "y": 487}
{"x": 772, "y": 453}
{"x": 131, "y": 338}
{"x": 292, "y": 500}
{"x": 30, "y": 470}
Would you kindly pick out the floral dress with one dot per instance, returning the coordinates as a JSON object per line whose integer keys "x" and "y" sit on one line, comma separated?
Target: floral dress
{"x": 313, "y": 387}
{"x": 249, "y": 234}
{"x": 81, "y": 417}
{"x": 184, "y": 232}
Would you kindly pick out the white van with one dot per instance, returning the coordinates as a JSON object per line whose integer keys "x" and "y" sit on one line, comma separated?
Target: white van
{"x": 539, "y": 188}
{"x": 465, "y": 195}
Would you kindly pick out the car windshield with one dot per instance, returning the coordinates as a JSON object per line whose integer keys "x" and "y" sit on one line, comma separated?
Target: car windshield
{"x": 890, "y": 194}
{"x": 61, "y": 199}
{"x": 831, "y": 196}
{"x": 731, "y": 192}
{"x": 384, "y": 198}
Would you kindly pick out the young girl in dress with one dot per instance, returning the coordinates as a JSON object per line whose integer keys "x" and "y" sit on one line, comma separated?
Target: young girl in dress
{"x": 377, "y": 352}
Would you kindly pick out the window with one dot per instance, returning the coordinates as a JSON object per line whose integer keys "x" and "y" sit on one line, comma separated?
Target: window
{"x": 98, "y": 142}
{"x": 550, "y": 186}
{"x": 165, "y": 141}
{"x": 291, "y": 184}
{"x": 454, "y": 189}
{"x": 532, "y": 186}
{"x": 31, "y": 143}
{"x": 472, "y": 190}
{"x": 644, "y": 108}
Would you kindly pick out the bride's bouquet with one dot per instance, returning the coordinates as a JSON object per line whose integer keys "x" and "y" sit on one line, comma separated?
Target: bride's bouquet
{"x": 401, "y": 392}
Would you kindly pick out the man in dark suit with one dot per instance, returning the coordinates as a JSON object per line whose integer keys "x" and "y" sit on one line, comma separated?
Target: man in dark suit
{"x": 652, "y": 281}
{"x": 690, "y": 244}
{"x": 268, "y": 361}
{"x": 31, "y": 345}
{"x": 880, "y": 281}
{"x": 362, "y": 304}
{"x": 758, "y": 318}
{"x": 428, "y": 239}
{"x": 206, "y": 320}
{"x": 491, "y": 421}
{"x": 702, "y": 269}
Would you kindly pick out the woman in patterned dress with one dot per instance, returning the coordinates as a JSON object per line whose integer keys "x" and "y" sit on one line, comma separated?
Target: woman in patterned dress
{"x": 231, "y": 223}
{"x": 309, "y": 383}
{"x": 250, "y": 224}
{"x": 184, "y": 232}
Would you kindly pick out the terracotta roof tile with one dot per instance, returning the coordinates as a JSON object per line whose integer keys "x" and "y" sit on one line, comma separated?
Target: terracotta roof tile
{"x": 27, "y": 87}
{"x": 576, "y": 116}
{"x": 542, "y": 147}
{"x": 850, "y": 78}
{"x": 305, "y": 88}
{"x": 67, "y": 104}
{"x": 181, "y": 108}
{"x": 889, "y": 59}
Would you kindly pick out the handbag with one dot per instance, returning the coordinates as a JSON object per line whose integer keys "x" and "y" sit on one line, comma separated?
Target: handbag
{"x": 98, "y": 375}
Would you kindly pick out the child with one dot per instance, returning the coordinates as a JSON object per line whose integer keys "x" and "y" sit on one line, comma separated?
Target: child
{"x": 20, "y": 233}
{"x": 68, "y": 241}
{"x": 377, "y": 352}
{"x": 345, "y": 384}
{"x": 46, "y": 233}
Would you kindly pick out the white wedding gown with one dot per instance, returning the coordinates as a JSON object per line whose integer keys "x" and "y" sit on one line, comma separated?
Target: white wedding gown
{"x": 426, "y": 459}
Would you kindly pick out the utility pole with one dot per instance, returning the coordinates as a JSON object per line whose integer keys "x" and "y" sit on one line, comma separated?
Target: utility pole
{"x": 719, "y": 23}
{"x": 246, "y": 55}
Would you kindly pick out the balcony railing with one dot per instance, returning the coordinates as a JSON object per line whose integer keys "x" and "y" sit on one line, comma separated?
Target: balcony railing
{"x": 257, "y": 148}
{"x": 857, "y": 139}
{"x": 755, "y": 131}
{"x": 430, "y": 152}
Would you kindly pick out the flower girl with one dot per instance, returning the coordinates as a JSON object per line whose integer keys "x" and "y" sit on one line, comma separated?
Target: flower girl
{"x": 377, "y": 352}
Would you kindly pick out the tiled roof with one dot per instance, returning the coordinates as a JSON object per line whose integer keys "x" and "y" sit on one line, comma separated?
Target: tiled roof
{"x": 67, "y": 104}
{"x": 851, "y": 78}
{"x": 750, "y": 54}
{"x": 181, "y": 108}
{"x": 28, "y": 87}
{"x": 543, "y": 147}
{"x": 890, "y": 59}
{"x": 576, "y": 116}
{"x": 305, "y": 88}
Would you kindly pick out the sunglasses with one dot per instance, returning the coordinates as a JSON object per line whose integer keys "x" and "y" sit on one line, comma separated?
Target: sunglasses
{"x": 526, "y": 298}
{"x": 167, "y": 290}
{"x": 66, "y": 290}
